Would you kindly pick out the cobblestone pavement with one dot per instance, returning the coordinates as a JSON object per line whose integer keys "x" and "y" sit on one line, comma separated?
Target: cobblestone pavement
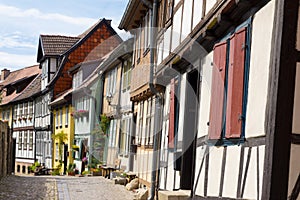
{"x": 61, "y": 188}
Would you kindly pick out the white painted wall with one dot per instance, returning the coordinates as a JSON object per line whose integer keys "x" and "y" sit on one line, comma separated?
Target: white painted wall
{"x": 296, "y": 118}
{"x": 259, "y": 70}
{"x": 294, "y": 167}
{"x": 205, "y": 95}
{"x": 209, "y": 5}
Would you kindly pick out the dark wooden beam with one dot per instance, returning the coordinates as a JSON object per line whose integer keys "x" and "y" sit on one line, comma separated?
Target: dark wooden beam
{"x": 295, "y": 138}
{"x": 296, "y": 190}
{"x": 279, "y": 112}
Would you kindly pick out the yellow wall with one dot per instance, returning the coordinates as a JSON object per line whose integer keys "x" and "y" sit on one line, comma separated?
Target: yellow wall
{"x": 69, "y": 130}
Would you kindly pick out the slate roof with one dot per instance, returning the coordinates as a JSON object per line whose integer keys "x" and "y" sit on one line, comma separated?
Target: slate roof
{"x": 54, "y": 45}
{"x": 21, "y": 74}
{"x": 32, "y": 89}
{"x": 14, "y": 78}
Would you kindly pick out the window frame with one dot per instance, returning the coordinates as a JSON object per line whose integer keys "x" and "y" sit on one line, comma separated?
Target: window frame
{"x": 223, "y": 141}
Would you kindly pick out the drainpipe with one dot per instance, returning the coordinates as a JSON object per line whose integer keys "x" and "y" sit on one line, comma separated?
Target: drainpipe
{"x": 158, "y": 103}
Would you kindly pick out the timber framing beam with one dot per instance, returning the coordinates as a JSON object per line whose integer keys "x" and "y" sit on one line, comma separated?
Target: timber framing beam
{"x": 279, "y": 113}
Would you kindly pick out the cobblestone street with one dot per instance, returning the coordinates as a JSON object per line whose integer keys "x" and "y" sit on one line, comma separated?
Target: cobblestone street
{"x": 61, "y": 188}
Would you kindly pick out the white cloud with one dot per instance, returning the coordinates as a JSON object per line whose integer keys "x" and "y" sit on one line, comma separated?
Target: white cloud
{"x": 10, "y": 11}
{"x": 16, "y": 40}
{"x": 14, "y": 61}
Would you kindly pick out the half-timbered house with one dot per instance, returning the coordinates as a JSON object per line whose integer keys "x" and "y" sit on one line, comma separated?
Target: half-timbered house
{"x": 229, "y": 78}
{"x": 56, "y": 55}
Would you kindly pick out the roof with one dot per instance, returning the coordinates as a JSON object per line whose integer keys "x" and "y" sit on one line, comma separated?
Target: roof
{"x": 55, "y": 45}
{"x": 21, "y": 74}
{"x": 16, "y": 77}
{"x": 85, "y": 35}
{"x": 32, "y": 89}
{"x": 121, "y": 51}
{"x": 132, "y": 15}
{"x": 62, "y": 98}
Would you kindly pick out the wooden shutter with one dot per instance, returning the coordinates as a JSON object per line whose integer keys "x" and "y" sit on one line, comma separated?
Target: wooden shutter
{"x": 235, "y": 84}
{"x": 172, "y": 115}
{"x": 217, "y": 91}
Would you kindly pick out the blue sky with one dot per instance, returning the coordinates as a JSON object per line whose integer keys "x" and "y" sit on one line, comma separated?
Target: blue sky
{"x": 22, "y": 21}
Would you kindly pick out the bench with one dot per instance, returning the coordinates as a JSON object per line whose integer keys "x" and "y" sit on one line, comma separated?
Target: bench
{"x": 106, "y": 170}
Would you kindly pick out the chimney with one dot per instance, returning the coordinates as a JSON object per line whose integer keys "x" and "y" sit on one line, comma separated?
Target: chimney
{"x": 108, "y": 21}
{"x": 4, "y": 74}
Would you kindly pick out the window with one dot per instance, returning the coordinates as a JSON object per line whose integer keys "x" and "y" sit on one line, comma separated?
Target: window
{"x": 140, "y": 118}
{"x": 25, "y": 140}
{"x": 150, "y": 122}
{"x": 56, "y": 116}
{"x": 229, "y": 84}
{"x": 20, "y": 110}
{"x": 125, "y": 134}
{"x": 20, "y": 141}
{"x": 138, "y": 44}
{"x": 111, "y": 82}
{"x": 7, "y": 115}
{"x": 147, "y": 26}
{"x": 67, "y": 116}
{"x": 61, "y": 117}
{"x": 168, "y": 11}
{"x": 56, "y": 151}
{"x": 30, "y": 140}
{"x": 126, "y": 79}
{"x": 112, "y": 133}
{"x": 25, "y": 109}
{"x": 30, "y": 109}
{"x": 15, "y": 112}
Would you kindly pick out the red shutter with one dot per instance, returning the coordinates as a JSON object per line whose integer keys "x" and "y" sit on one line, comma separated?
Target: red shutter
{"x": 172, "y": 115}
{"x": 217, "y": 91}
{"x": 235, "y": 84}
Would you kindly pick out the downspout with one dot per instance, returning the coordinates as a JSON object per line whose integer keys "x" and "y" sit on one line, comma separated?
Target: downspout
{"x": 158, "y": 103}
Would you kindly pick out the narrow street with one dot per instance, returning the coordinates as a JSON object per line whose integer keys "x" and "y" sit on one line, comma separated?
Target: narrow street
{"x": 61, "y": 188}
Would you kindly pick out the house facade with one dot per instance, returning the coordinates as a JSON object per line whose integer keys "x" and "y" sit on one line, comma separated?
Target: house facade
{"x": 86, "y": 113}
{"x": 19, "y": 89}
{"x": 63, "y": 131}
{"x": 57, "y": 59}
{"x": 23, "y": 127}
{"x": 216, "y": 66}
{"x": 116, "y": 73}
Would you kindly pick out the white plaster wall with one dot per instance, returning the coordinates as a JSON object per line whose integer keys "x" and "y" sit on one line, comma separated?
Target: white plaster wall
{"x": 209, "y": 5}
{"x": 294, "y": 167}
{"x": 259, "y": 70}
{"x": 187, "y": 18}
{"x": 181, "y": 107}
{"x": 176, "y": 29}
{"x": 198, "y": 5}
{"x": 296, "y": 118}
{"x": 214, "y": 171}
{"x": 251, "y": 178}
{"x": 205, "y": 95}
{"x": 167, "y": 42}
{"x": 231, "y": 171}
{"x": 200, "y": 154}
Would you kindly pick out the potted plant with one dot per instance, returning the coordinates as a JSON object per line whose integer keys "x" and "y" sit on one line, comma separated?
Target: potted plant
{"x": 71, "y": 169}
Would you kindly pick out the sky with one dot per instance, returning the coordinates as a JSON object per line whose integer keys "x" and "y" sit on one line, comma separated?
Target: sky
{"x": 22, "y": 21}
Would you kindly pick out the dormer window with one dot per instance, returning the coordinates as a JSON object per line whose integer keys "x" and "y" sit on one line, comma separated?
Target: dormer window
{"x": 77, "y": 79}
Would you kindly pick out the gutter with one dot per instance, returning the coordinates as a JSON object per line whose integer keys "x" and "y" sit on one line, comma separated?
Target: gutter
{"x": 158, "y": 101}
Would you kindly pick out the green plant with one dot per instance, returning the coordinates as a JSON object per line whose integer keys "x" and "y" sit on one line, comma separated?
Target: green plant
{"x": 71, "y": 167}
{"x": 100, "y": 136}
{"x": 35, "y": 165}
{"x": 85, "y": 172}
{"x": 61, "y": 137}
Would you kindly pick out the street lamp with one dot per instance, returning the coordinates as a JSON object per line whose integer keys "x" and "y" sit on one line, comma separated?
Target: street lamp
{"x": 109, "y": 99}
